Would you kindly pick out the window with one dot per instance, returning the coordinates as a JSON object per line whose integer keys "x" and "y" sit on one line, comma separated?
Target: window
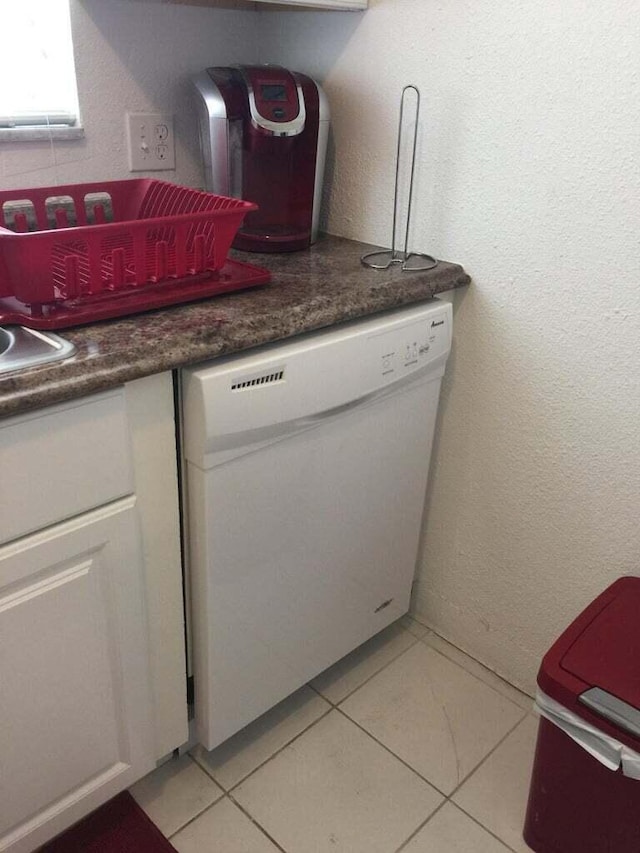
{"x": 39, "y": 88}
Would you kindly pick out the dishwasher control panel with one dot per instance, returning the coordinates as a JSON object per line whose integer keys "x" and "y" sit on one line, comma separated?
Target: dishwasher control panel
{"x": 410, "y": 347}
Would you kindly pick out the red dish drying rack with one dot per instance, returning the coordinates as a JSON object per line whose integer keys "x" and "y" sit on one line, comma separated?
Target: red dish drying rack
{"x": 84, "y": 252}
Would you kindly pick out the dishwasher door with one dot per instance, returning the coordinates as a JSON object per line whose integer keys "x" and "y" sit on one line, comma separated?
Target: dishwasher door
{"x": 303, "y": 530}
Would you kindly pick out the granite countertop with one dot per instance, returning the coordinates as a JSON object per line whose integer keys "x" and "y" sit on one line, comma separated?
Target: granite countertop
{"x": 319, "y": 287}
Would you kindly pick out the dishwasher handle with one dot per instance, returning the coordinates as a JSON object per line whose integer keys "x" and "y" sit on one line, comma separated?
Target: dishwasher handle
{"x": 343, "y": 408}
{"x": 398, "y": 385}
{"x": 224, "y": 447}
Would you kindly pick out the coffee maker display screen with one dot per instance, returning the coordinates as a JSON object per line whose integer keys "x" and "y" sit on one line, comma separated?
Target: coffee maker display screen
{"x": 273, "y": 92}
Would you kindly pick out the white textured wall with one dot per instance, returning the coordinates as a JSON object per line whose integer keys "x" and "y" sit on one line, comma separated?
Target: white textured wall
{"x": 132, "y": 56}
{"x": 529, "y": 176}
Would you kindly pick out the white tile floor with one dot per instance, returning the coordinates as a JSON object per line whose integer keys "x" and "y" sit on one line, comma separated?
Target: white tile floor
{"x": 405, "y": 745}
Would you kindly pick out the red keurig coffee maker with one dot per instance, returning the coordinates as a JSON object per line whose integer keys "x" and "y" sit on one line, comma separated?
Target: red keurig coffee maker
{"x": 264, "y": 131}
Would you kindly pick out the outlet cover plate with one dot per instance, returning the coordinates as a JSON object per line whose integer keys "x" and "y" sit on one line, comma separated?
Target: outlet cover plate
{"x": 151, "y": 142}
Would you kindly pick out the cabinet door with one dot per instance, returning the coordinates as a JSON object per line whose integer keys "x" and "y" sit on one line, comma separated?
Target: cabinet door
{"x": 74, "y": 694}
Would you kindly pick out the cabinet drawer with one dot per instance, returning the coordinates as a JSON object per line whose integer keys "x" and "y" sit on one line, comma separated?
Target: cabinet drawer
{"x": 63, "y": 460}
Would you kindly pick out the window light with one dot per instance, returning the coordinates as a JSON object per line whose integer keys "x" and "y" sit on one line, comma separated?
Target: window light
{"x": 37, "y": 58}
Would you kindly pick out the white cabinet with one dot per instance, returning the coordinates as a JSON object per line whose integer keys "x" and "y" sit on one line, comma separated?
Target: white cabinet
{"x": 74, "y": 688}
{"x": 92, "y": 673}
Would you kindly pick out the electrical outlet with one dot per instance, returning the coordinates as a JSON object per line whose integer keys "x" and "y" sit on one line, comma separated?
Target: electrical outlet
{"x": 151, "y": 142}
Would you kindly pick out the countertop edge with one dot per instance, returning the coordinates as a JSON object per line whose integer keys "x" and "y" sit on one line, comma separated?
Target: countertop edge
{"x": 167, "y": 339}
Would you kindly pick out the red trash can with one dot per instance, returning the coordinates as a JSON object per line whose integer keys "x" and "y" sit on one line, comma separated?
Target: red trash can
{"x": 585, "y": 785}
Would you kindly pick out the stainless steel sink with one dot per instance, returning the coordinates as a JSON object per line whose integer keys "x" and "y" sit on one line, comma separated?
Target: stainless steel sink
{"x": 21, "y": 348}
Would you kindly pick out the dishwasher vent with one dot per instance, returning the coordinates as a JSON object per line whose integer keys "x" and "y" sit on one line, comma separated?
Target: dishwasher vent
{"x": 262, "y": 379}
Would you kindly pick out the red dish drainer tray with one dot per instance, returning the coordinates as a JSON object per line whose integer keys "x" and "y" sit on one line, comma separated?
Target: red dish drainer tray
{"x": 79, "y": 253}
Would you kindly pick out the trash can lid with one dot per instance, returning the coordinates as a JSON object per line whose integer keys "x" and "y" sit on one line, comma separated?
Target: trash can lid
{"x": 600, "y": 649}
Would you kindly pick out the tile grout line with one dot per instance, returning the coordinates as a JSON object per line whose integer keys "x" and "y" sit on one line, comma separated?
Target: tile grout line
{"x": 486, "y": 829}
{"x": 427, "y": 630}
{"x": 267, "y": 760}
{"x": 368, "y": 679}
{"x": 208, "y": 773}
{"x": 202, "y": 811}
{"x": 390, "y": 751}
{"x": 195, "y": 817}
{"x": 228, "y": 793}
{"x": 227, "y": 796}
{"x": 255, "y": 822}
{"x": 526, "y": 713}
{"x": 424, "y": 778}
{"x": 455, "y": 805}
{"x": 333, "y": 707}
{"x": 488, "y": 755}
{"x": 466, "y": 814}
{"x": 473, "y": 674}
{"x": 422, "y": 826}
{"x": 475, "y": 769}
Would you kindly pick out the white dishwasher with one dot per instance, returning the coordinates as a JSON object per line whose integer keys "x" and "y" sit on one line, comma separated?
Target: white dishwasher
{"x": 305, "y": 467}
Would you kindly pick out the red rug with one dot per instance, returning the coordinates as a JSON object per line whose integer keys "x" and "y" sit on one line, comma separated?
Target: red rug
{"x": 119, "y": 826}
